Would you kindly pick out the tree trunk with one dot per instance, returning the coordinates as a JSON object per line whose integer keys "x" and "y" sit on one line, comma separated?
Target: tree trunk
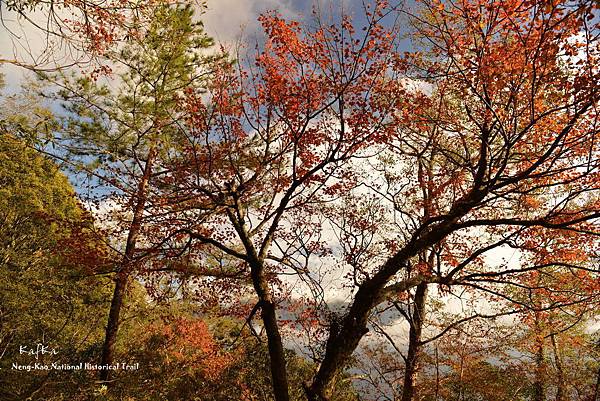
{"x": 538, "y": 385}
{"x": 342, "y": 343}
{"x": 112, "y": 326}
{"x": 123, "y": 273}
{"x": 276, "y": 352}
{"x": 437, "y": 374}
{"x": 596, "y": 396}
{"x": 344, "y": 339}
{"x": 560, "y": 384}
{"x": 277, "y": 359}
{"x": 461, "y": 374}
{"x": 414, "y": 344}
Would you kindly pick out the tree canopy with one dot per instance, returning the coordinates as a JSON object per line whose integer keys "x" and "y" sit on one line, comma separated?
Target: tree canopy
{"x": 331, "y": 215}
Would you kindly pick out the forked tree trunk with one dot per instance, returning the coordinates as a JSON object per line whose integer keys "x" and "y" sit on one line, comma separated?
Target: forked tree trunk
{"x": 343, "y": 341}
{"x": 414, "y": 344}
{"x": 122, "y": 278}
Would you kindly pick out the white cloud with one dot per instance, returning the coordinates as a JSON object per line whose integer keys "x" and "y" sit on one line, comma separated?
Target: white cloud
{"x": 227, "y": 21}
{"x": 22, "y": 41}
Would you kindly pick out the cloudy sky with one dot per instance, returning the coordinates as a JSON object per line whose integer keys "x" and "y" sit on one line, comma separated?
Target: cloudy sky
{"x": 228, "y": 21}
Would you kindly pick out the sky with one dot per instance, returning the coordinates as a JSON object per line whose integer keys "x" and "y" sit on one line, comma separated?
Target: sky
{"x": 227, "y": 21}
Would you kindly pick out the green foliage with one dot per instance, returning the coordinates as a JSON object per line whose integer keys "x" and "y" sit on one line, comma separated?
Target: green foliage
{"x": 44, "y": 298}
{"x": 119, "y": 123}
{"x": 37, "y": 124}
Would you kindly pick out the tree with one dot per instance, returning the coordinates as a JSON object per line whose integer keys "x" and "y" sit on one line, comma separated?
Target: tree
{"x": 267, "y": 147}
{"x": 75, "y": 33}
{"x": 120, "y": 137}
{"x": 506, "y": 151}
{"x": 48, "y": 295}
{"x": 502, "y": 133}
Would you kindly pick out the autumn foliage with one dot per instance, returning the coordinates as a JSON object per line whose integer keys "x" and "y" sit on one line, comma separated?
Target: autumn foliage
{"x": 335, "y": 187}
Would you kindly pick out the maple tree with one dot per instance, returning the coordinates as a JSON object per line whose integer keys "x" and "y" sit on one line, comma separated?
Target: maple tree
{"x": 268, "y": 145}
{"x": 333, "y": 153}
{"x": 471, "y": 154}
{"x": 500, "y": 153}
